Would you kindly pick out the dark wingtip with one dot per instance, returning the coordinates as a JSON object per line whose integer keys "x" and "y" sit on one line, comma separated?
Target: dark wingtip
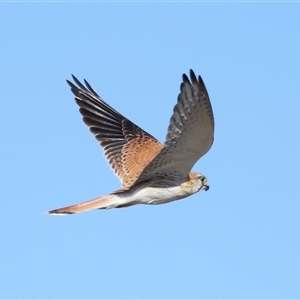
{"x": 185, "y": 78}
{"x": 79, "y": 86}
{"x": 71, "y": 84}
{"x": 193, "y": 76}
{"x": 90, "y": 88}
{"x": 201, "y": 80}
{"x": 75, "y": 78}
{"x": 57, "y": 212}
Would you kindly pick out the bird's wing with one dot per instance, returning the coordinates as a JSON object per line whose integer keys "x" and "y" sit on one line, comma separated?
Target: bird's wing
{"x": 127, "y": 148}
{"x": 190, "y": 133}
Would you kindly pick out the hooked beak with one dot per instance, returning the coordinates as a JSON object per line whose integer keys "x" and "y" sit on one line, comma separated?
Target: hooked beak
{"x": 205, "y": 187}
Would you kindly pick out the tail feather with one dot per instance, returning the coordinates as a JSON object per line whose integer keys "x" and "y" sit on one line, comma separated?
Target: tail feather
{"x": 107, "y": 201}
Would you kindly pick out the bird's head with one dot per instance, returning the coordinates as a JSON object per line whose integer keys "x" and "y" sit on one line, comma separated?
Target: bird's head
{"x": 200, "y": 181}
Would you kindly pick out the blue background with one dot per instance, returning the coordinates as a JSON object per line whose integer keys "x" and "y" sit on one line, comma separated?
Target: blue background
{"x": 239, "y": 239}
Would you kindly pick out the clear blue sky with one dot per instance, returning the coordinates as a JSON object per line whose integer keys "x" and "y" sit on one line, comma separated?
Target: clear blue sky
{"x": 239, "y": 239}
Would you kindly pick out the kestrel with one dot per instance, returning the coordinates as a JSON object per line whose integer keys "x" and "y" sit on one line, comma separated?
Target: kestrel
{"x": 150, "y": 173}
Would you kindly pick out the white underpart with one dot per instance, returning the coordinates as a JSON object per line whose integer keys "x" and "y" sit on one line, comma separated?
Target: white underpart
{"x": 157, "y": 195}
{"x": 152, "y": 195}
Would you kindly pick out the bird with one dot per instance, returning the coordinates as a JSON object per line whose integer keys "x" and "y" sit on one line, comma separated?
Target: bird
{"x": 150, "y": 172}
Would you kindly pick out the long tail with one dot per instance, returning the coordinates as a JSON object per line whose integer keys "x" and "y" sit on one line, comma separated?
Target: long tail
{"x": 108, "y": 201}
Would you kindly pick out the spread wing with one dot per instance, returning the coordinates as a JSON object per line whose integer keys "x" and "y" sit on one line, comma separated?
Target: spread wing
{"x": 190, "y": 133}
{"x": 127, "y": 148}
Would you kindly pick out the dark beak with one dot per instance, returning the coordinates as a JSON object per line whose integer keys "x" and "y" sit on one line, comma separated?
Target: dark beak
{"x": 205, "y": 187}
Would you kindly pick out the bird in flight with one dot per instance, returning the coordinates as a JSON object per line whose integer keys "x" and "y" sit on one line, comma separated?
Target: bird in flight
{"x": 150, "y": 173}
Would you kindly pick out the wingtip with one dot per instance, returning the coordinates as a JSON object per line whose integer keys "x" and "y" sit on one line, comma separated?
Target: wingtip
{"x": 71, "y": 84}
{"x": 77, "y": 81}
{"x": 56, "y": 212}
{"x": 185, "y": 78}
{"x": 193, "y": 76}
{"x": 74, "y": 77}
{"x": 192, "y": 79}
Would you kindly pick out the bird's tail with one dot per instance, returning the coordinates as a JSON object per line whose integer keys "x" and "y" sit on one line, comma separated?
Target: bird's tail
{"x": 108, "y": 201}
